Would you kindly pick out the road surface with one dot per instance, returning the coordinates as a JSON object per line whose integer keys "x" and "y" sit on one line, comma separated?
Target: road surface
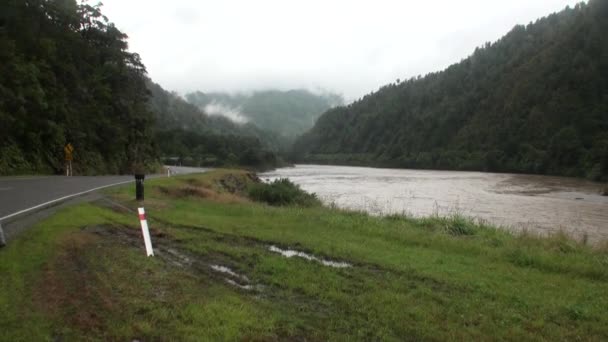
{"x": 25, "y": 193}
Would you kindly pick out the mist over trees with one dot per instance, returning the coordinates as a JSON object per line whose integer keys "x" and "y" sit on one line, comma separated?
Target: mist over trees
{"x": 535, "y": 101}
{"x": 188, "y": 136}
{"x": 287, "y": 113}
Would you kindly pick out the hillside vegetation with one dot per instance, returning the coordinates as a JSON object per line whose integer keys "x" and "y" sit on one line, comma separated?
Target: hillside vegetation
{"x": 186, "y": 135}
{"x": 287, "y": 113}
{"x": 535, "y": 101}
{"x": 67, "y": 76}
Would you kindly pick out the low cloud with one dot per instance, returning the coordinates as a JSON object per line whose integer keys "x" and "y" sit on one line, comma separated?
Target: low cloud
{"x": 232, "y": 113}
{"x": 350, "y": 47}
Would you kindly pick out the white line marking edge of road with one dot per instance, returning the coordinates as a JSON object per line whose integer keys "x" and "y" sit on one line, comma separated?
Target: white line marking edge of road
{"x": 61, "y": 199}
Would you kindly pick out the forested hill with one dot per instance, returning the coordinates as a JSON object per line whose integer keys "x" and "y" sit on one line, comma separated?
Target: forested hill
{"x": 288, "y": 113}
{"x": 187, "y": 133}
{"x": 66, "y": 76}
{"x": 535, "y": 101}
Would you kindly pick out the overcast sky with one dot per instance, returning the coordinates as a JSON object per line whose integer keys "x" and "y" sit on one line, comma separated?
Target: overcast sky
{"x": 350, "y": 47}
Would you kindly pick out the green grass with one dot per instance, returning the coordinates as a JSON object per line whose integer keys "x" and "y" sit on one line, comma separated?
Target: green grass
{"x": 411, "y": 279}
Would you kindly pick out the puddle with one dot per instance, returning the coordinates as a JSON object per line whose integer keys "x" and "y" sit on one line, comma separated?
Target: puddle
{"x": 240, "y": 286}
{"x": 244, "y": 281}
{"x": 227, "y": 270}
{"x": 177, "y": 258}
{"x": 288, "y": 253}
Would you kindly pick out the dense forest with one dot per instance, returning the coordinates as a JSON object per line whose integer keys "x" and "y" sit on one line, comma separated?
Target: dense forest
{"x": 535, "y": 101}
{"x": 67, "y": 76}
{"x": 287, "y": 113}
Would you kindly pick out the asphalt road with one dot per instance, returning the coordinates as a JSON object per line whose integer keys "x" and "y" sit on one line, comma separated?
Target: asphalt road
{"x": 21, "y": 193}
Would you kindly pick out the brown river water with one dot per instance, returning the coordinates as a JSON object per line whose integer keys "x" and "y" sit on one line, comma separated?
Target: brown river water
{"x": 539, "y": 204}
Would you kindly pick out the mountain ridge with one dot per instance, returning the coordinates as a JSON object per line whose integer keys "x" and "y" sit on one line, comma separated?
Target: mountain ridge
{"x": 288, "y": 113}
{"x": 534, "y": 101}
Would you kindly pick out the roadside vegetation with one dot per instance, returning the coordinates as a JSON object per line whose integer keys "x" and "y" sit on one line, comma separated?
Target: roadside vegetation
{"x": 282, "y": 192}
{"x": 83, "y": 274}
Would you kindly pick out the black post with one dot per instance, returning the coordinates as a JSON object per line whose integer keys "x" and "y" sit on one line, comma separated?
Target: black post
{"x": 139, "y": 187}
{"x": 2, "y": 240}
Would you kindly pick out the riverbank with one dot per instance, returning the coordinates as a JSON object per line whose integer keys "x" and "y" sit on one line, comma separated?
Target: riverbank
{"x": 219, "y": 274}
{"x": 543, "y": 205}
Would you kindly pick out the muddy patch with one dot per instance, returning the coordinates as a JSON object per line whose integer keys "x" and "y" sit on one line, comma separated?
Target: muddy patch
{"x": 237, "y": 184}
{"x": 212, "y": 266}
{"x": 289, "y": 253}
{"x": 69, "y": 286}
{"x": 232, "y": 184}
{"x": 251, "y": 241}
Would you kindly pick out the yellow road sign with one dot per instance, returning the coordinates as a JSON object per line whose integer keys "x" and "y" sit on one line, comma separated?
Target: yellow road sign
{"x": 68, "y": 149}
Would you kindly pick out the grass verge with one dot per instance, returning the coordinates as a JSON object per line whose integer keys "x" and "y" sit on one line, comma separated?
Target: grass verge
{"x": 83, "y": 274}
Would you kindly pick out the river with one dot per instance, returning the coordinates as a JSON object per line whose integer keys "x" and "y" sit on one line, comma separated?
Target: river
{"x": 539, "y": 204}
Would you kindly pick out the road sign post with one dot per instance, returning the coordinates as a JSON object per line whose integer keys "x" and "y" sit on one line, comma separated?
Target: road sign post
{"x": 139, "y": 187}
{"x": 68, "y": 150}
{"x": 145, "y": 231}
{"x": 2, "y": 239}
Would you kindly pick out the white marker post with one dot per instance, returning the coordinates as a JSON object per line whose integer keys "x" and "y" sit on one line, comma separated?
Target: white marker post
{"x": 145, "y": 231}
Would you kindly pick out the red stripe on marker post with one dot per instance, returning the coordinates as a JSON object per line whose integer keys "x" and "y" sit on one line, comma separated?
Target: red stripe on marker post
{"x": 145, "y": 231}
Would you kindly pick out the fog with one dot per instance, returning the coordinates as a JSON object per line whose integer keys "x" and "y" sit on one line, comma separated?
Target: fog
{"x": 231, "y": 113}
{"x": 349, "y": 47}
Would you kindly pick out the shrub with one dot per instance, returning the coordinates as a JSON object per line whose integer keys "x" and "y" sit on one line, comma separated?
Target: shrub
{"x": 460, "y": 226}
{"x": 13, "y": 161}
{"x": 282, "y": 192}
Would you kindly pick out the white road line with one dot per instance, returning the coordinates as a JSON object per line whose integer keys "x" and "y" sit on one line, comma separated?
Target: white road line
{"x": 60, "y": 199}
